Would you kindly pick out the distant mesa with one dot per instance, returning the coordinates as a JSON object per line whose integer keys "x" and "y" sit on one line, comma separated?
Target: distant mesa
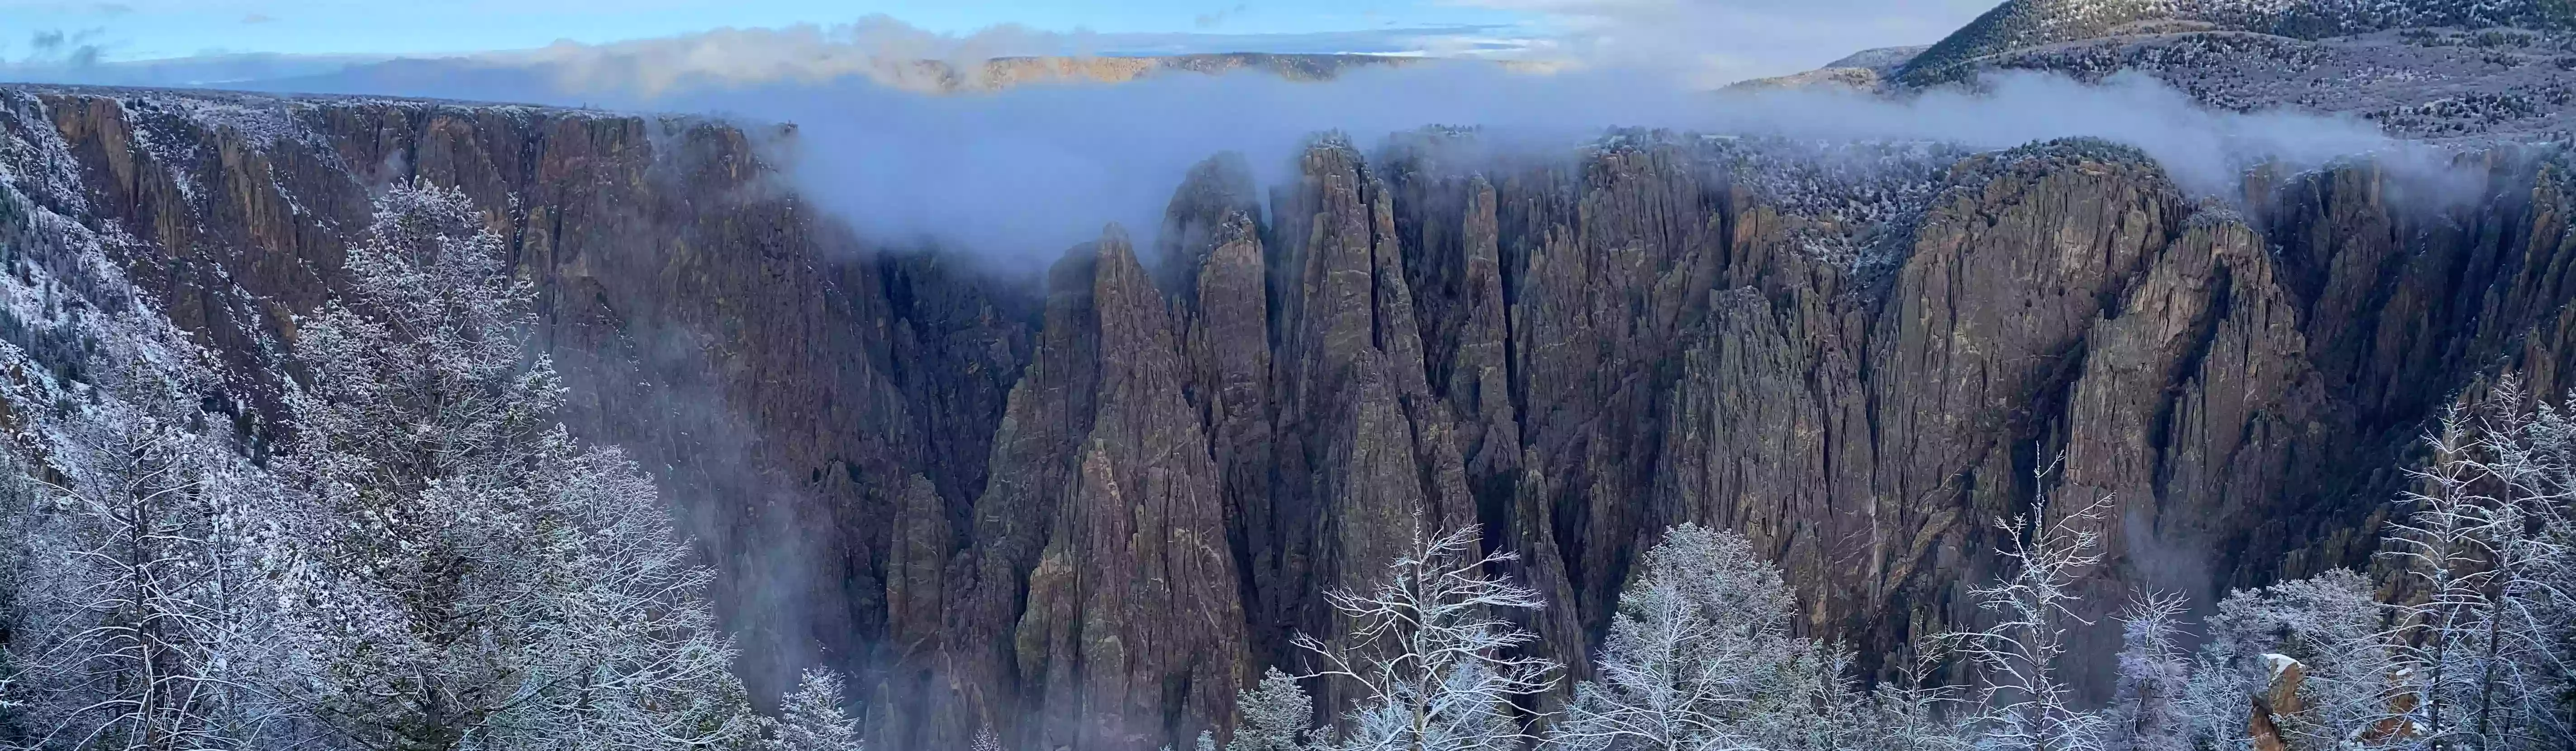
{"x": 1006, "y": 72}
{"x": 612, "y": 76}
{"x": 916, "y": 74}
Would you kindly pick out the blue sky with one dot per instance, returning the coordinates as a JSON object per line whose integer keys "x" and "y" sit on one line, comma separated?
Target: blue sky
{"x": 147, "y": 29}
{"x": 1712, "y": 40}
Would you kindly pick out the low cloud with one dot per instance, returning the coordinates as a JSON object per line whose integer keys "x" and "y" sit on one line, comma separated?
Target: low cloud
{"x": 1026, "y": 171}
{"x": 258, "y": 18}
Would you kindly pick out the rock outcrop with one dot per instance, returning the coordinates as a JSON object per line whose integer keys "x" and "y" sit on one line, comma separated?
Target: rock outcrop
{"x": 1085, "y": 512}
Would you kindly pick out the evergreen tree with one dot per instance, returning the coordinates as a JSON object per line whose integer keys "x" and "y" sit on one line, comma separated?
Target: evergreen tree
{"x": 1700, "y": 655}
{"x": 1277, "y": 716}
{"x": 810, "y": 717}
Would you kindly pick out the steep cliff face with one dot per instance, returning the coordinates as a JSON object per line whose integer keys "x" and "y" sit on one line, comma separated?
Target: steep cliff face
{"x": 791, "y": 392}
{"x": 1086, "y": 511}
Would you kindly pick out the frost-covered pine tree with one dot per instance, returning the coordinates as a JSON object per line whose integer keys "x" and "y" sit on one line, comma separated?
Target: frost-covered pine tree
{"x": 513, "y": 589}
{"x": 1819, "y": 707}
{"x": 2026, "y": 703}
{"x": 2147, "y": 711}
{"x": 622, "y": 650}
{"x": 1433, "y": 653}
{"x": 1700, "y": 655}
{"x": 810, "y": 717}
{"x": 144, "y": 618}
{"x": 1275, "y": 716}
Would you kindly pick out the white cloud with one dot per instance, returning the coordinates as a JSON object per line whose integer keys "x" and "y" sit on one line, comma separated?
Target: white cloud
{"x": 1023, "y": 173}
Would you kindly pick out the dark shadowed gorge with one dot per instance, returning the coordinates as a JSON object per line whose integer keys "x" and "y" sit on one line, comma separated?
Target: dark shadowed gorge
{"x": 1087, "y": 506}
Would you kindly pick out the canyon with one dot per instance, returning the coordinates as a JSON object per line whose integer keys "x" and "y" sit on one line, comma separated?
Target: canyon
{"x": 1086, "y": 506}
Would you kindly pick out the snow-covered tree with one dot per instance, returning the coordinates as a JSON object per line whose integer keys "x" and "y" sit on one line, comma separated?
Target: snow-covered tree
{"x": 1908, "y": 713}
{"x": 2446, "y": 545}
{"x": 514, "y": 589}
{"x": 810, "y": 717}
{"x": 2026, "y": 702}
{"x": 18, "y": 499}
{"x": 2328, "y": 629}
{"x": 621, "y": 651}
{"x": 2147, "y": 711}
{"x": 1432, "y": 652}
{"x": 1275, "y": 716}
{"x": 2476, "y": 651}
{"x": 2484, "y": 546}
{"x": 2539, "y": 593}
{"x": 126, "y": 643}
{"x": 1700, "y": 655}
{"x": 146, "y": 618}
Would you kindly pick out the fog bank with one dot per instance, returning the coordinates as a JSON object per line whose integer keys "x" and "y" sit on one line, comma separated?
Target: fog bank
{"x": 1025, "y": 171}
{"x": 1032, "y": 170}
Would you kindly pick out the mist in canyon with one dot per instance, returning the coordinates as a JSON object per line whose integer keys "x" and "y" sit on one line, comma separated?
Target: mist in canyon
{"x": 1022, "y": 171}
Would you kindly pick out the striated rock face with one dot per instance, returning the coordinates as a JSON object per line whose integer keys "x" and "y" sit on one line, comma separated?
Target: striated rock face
{"x": 1085, "y": 511}
{"x": 1102, "y": 570}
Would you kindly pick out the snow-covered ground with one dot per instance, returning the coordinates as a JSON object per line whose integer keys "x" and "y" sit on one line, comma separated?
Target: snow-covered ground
{"x": 2432, "y": 83}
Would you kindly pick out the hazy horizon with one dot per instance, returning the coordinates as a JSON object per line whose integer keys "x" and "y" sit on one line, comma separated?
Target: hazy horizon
{"x": 1715, "y": 42}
